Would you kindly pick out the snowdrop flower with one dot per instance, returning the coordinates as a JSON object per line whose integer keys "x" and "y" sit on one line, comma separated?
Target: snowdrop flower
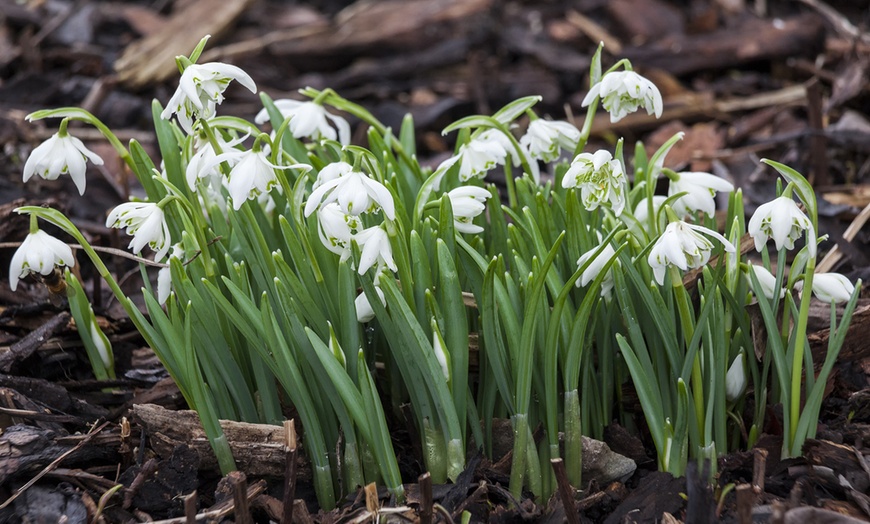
{"x": 355, "y": 192}
{"x": 39, "y": 253}
{"x": 251, "y": 173}
{"x": 830, "y": 287}
{"x": 59, "y": 155}
{"x": 337, "y": 228}
{"x": 600, "y": 179}
{"x": 735, "y": 379}
{"x": 478, "y": 156}
{"x": 622, "y": 92}
{"x": 101, "y": 343}
{"x": 164, "y": 276}
{"x": 544, "y": 138}
{"x": 441, "y": 355}
{"x": 364, "y": 311}
{"x": 375, "y": 245}
{"x": 780, "y": 219}
{"x": 766, "y": 280}
{"x": 164, "y": 284}
{"x": 683, "y": 245}
{"x": 309, "y": 120}
{"x": 467, "y": 202}
{"x": 595, "y": 268}
{"x": 331, "y": 172}
{"x": 202, "y": 164}
{"x": 201, "y": 89}
{"x": 146, "y": 222}
{"x": 701, "y": 189}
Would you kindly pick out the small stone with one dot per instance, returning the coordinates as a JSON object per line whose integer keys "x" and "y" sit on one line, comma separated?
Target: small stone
{"x": 603, "y": 465}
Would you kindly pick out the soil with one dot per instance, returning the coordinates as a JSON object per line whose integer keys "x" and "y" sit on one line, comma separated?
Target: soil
{"x": 744, "y": 79}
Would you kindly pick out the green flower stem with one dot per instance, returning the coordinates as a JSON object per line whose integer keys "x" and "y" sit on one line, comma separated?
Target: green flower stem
{"x": 587, "y": 126}
{"x": 511, "y": 185}
{"x": 435, "y": 451}
{"x": 524, "y": 160}
{"x": 61, "y": 129}
{"x": 625, "y": 63}
{"x": 196, "y": 228}
{"x": 573, "y": 438}
{"x": 800, "y": 334}
{"x": 520, "y": 458}
{"x": 34, "y": 224}
{"x": 687, "y": 324}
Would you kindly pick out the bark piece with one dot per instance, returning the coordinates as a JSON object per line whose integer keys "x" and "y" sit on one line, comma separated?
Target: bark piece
{"x": 810, "y": 515}
{"x": 47, "y": 504}
{"x": 388, "y": 25}
{"x": 752, "y": 41}
{"x": 645, "y": 20}
{"x": 257, "y": 448}
{"x": 842, "y": 459}
{"x": 658, "y": 493}
{"x": 30, "y": 343}
{"x": 152, "y": 59}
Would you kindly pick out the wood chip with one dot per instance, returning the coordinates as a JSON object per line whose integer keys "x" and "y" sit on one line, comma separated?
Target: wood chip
{"x": 152, "y": 59}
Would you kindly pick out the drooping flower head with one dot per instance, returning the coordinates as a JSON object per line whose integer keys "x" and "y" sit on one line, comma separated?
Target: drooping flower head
{"x": 355, "y": 192}
{"x": 830, "y": 287}
{"x": 683, "y": 245}
{"x": 595, "y": 268}
{"x": 364, "y": 310}
{"x": 202, "y": 164}
{"x": 701, "y": 191}
{"x": 477, "y": 157}
{"x": 467, "y": 202}
{"x": 544, "y": 138}
{"x": 766, "y": 280}
{"x": 780, "y": 219}
{"x": 600, "y": 179}
{"x": 39, "y": 253}
{"x": 337, "y": 229}
{"x": 622, "y": 92}
{"x": 440, "y": 349}
{"x": 376, "y": 248}
{"x": 201, "y": 89}
{"x": 251, "y": 173}
{"x": 59, "y": 155}
{"x": 309, "y": 120}
{"x": 735, "y": 379}
{"x": 146, "y": 222}
{"x": 485, "y": 151}
{"x": 164, "y": 276}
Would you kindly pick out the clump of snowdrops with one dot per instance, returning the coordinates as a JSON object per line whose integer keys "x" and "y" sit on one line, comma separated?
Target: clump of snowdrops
{"x": 350, "y": 280}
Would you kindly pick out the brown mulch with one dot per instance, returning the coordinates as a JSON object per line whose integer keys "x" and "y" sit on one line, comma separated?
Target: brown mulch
{"x": 744, "y": 79}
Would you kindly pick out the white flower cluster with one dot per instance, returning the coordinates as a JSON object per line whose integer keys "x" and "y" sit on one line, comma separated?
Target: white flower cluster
{"x": 340, "y": 196}
{"x": 623, "y": 92}
{"x": 683, "y": 245}
{"x": 146, "y": 222}
{"x": 600, "y": 179}
{"x": 200, "y": 91}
